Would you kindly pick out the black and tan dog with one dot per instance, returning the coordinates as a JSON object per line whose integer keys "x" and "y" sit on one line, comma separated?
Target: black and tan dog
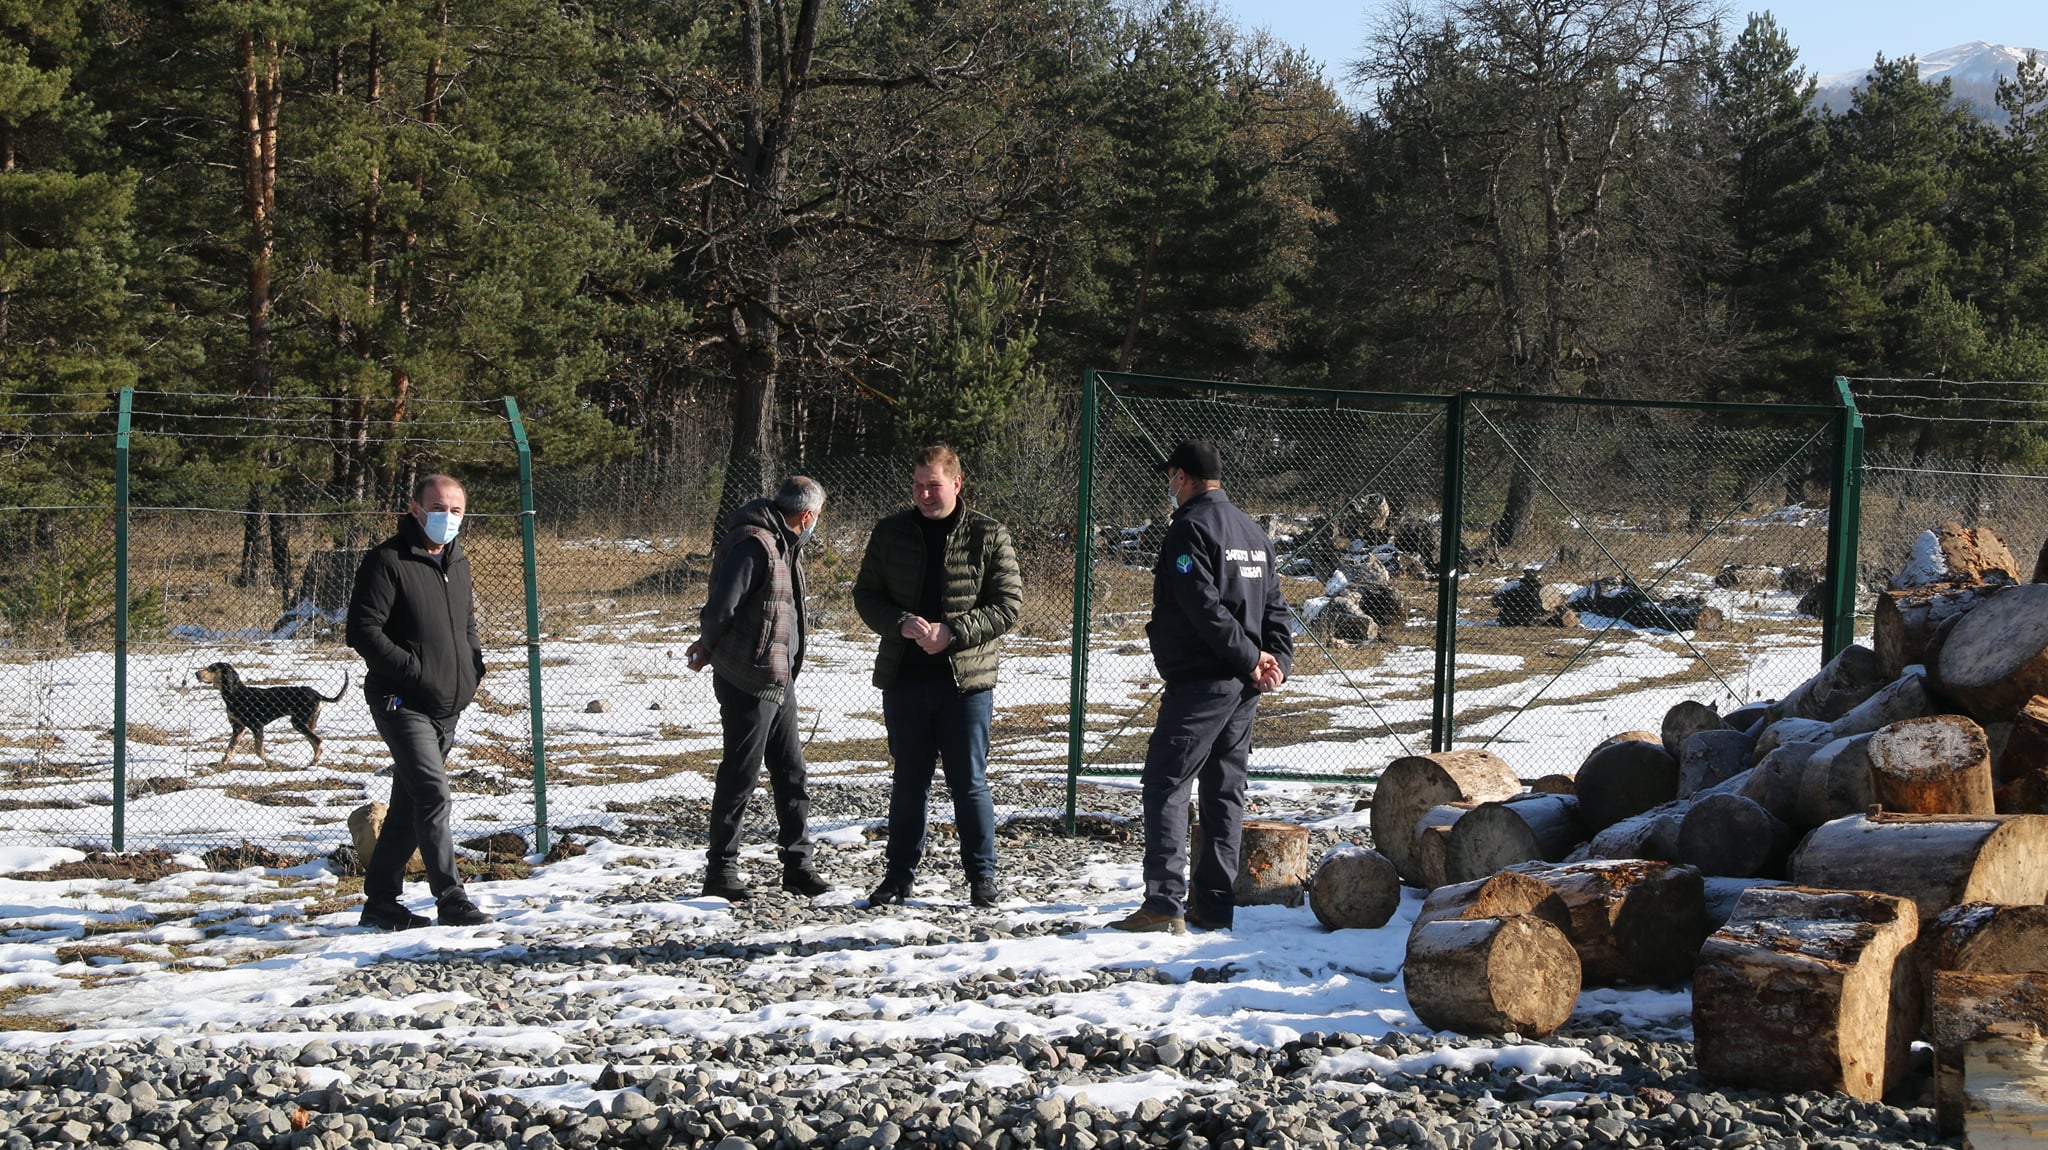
{"x": 253, "y": 708}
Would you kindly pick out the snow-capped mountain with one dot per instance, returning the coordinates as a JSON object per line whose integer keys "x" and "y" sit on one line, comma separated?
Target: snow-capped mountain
{"x": 1972, "y": 69}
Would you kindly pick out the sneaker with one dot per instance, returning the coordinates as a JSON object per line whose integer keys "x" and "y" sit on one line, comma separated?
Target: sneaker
{"x": 801, "y": 879}
{"x": 891, "y": 891}
{"x": 983, "y": 892}
{"x": 726, "y": 885}
{"x": 1142, "y": 921}
{"x": 455, "y": 909}
{"x": 1198, "y": 921}
{"x": 391, "y": 915}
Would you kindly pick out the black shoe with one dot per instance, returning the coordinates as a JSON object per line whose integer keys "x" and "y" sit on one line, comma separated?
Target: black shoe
{"x": 456, "y": 910}
{"x": 1197, "y": 921}
{"x": 983, "y": 892}
{"x": 801, "y": 879}
{"x": 891, "y": 891}
{"x": 391, "y": 915}
{"x": 726, "y": 886}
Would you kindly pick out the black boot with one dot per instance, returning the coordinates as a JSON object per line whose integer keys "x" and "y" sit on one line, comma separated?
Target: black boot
{"x": 799, "y": 878}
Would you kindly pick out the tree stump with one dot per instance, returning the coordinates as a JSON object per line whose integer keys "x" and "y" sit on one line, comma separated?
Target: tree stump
{"x": 1429, "y": 849}
{"x": 1683, "y": 721}
{"x": 1906, "y": 697}
{"x": 1633, "y": 922}
{"x": 1735, "y": 837}
{"x": 1836, "y": 782}
{"x": 1272, "y": 862}
{"x": 1505, "y": 895}
{"x": 1354, "y": 888}
{"x": 1412, "y": 784}
{"x": 1625, "y": 778}
{"x": 1938, "y": 861}
{"x": 1489, "y": 976}
{"x": 1990, "y": 1036}
{"x": 1711, "y": 756}
{"x": 1996, "y": 657}
{"x": 1933, "y": 766}
{"x": 1493, "y": 836}
{"x": 365, "y": 823}
{"x": 1808, "y": 990}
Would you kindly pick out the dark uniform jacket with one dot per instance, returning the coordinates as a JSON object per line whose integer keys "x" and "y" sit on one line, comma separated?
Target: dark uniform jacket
{"x": 1216, "y": 599}
{"x": 984, "y": 591}
{"x": 412, "y": 618}
{"x": 753, "y": 623}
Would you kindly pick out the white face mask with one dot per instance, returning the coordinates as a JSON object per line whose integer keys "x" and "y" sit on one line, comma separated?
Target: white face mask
{"x": 443, "y": 526}
{"x": 1172, "y": 494}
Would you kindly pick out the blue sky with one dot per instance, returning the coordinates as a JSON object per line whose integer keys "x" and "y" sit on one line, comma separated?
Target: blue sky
{"x": 1831, "y": 35}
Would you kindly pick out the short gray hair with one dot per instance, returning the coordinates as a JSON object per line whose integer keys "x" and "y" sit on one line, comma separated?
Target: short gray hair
{"x": 798, "y": 494}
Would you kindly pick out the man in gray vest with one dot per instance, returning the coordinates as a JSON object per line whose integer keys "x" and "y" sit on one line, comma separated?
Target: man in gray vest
{"x": 752, "y": 632}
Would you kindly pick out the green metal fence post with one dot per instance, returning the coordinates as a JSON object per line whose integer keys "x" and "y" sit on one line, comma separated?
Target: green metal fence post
{"x": 1449, "y": 552}
{"x": 1084, "y": 555}
{"x": 529, "y": 565}
{"x": 127, "y": 412}
{"x": 1845, "y": 517}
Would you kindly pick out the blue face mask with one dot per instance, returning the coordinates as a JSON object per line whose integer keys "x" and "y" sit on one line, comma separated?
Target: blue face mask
{"x": 443, "y": 526}
{"x": 1172, "y": 498}
{"x": 804, "y": 536}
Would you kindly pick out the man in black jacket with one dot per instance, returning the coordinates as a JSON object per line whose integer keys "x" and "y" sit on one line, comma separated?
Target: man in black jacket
{"x": 413, "y": 620}
{"x": 753, "y": 630}
{"x": 1220, "y": 635}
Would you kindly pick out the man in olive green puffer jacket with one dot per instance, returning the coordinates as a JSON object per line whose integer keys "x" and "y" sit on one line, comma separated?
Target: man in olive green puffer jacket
{"x": 940, "y": 584}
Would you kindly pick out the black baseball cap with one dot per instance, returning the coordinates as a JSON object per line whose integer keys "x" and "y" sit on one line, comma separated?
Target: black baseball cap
{"x": 1197, "y": 457}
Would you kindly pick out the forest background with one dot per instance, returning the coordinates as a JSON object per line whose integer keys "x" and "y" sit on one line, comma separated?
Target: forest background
{"x": 758, "y": 231}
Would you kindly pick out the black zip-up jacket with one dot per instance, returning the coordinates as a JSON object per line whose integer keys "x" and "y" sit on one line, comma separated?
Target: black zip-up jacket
{"x": 1216, "y": 601}
{"x": 413, "y": 620}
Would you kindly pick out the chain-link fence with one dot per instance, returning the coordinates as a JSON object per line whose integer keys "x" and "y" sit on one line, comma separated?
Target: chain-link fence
{"x": 1610, "y": 560}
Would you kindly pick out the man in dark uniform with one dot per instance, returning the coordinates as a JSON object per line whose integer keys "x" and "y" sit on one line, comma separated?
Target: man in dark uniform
{"x": 1219, "y": 634}
{"x": 413, "y": 620}
{"x": 753, "y": 630}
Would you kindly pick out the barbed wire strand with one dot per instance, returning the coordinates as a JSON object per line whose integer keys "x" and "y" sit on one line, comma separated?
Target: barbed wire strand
{"x": 1951, "y": 418}
{"x": 1944, "y": 382}
{"x": 411, "y": 401}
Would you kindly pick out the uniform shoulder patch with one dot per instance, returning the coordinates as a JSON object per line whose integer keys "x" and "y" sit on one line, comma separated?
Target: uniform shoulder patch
{"x": 1184, "y": 564}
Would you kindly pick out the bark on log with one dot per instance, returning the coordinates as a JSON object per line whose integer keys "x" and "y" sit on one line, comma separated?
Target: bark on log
{"x": 1734, "y": 836}
{"x": 2026, "y": 795}
{"x": 1938, "y": 861}
{"x": 1906, "y": 697}
{"x": 1493, "y": 836}
{"x": 1932, "y": 766}
{"x": 1625, "y": 778}
{"x": 1412, "y": 784}
{"x": 1650, "y": 835}
{"x": 1854, "y": 669}
{"x": 2026, "y": 745}
{"x": 1504, "y": 895}
{"x": 1554, "y": 785}
{"x": 1836, "y": 782}
{"x": 1989, "y": 938}
{"x": 1907, "y": 620}
{"x": 1990, "y": 1036}
{"x": 1774, "y": 784}
{"x": 1272, "y": 862}
{"x": 1634, "y": 922}
{"x": 1710, "y": 757}
{"x": 1683, "y": 721}
{"x": 1430, "y": 846}
{"x": 1790, "y": 731}
{"x": 1723, "y": 892}
{"x": 1491, "y": 976}
{"x": 1808, "y": 990}
{"x": 1996, "y": 657}
{"x": 1751, "y": 717}
{"x": 1953, "y": 553}
{"x": 1354, "y": 889}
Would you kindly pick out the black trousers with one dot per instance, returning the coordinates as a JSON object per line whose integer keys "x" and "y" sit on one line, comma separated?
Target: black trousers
{"x": 758, "y": 732}
{"x": 1204, "y": 736}
{"x": 421, "y": 805}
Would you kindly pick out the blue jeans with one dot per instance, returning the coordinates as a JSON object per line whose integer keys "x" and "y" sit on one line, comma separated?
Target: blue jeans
{"x": 930, "y": 723}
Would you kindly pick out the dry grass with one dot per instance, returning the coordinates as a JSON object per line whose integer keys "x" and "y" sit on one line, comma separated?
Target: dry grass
{"x": 13, "y": 1019}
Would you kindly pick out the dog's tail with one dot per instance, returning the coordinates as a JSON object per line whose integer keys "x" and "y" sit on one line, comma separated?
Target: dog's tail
{"x": 336, "y": 697}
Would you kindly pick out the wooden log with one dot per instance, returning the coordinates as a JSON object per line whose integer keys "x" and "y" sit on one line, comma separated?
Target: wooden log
{"x": 1836, "y": 782}
{"x": 1906, "y": 697}
{"x": 2026, "y": 745}
{"x": 1953, "y": 553}
{"x": 1751, "y": 717}
{"x": 1774, "y": 784}
{"x": 1634, "y": 922}
{"x": 1650, "y": 835}
{"x": 1683, "y": 721}
{"x": 2040, "y": 574}
{"x": 1412, "y": 784}
{"x": 1496, "y": 835}
{"x": 1907, "y": 620}
{"x": 1734, "y": 836}
{"x": 1932, "y": 766}
{"x": 1722, "y": 892}
{"x": 1938, "y": 861}
{"x": 1989, "y": 938}
{"x": 1990, "y": 1036}
{"x": 1272, "y": 862}
{"x": 1430, "y": 846}
{"x": 1790, "y": 731}
{"x": 1808, "y": 990}
{"x": 1710, "y": 757}
{"x": 1554, "y": 785}
{"x": 1625, "y": 778}
{"x": 1491, "y": 976}
{"x": 1996, "y": 657}
{"x": 1354, "y": 889}
{"x": 2026, "y": 795}
{"x": 1853, "y": 668}
{"x": 1504, "y": 895}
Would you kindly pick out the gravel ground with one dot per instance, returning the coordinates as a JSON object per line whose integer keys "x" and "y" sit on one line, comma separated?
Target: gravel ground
{"x": 222, "y": 1086}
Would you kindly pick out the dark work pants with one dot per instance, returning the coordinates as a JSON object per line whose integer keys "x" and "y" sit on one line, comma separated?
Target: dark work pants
{"x": 931, "y": 723}
{"x": 757, "y": 732}
{"x": 421, "y": 805}
{"x": 1204, "y": 736}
